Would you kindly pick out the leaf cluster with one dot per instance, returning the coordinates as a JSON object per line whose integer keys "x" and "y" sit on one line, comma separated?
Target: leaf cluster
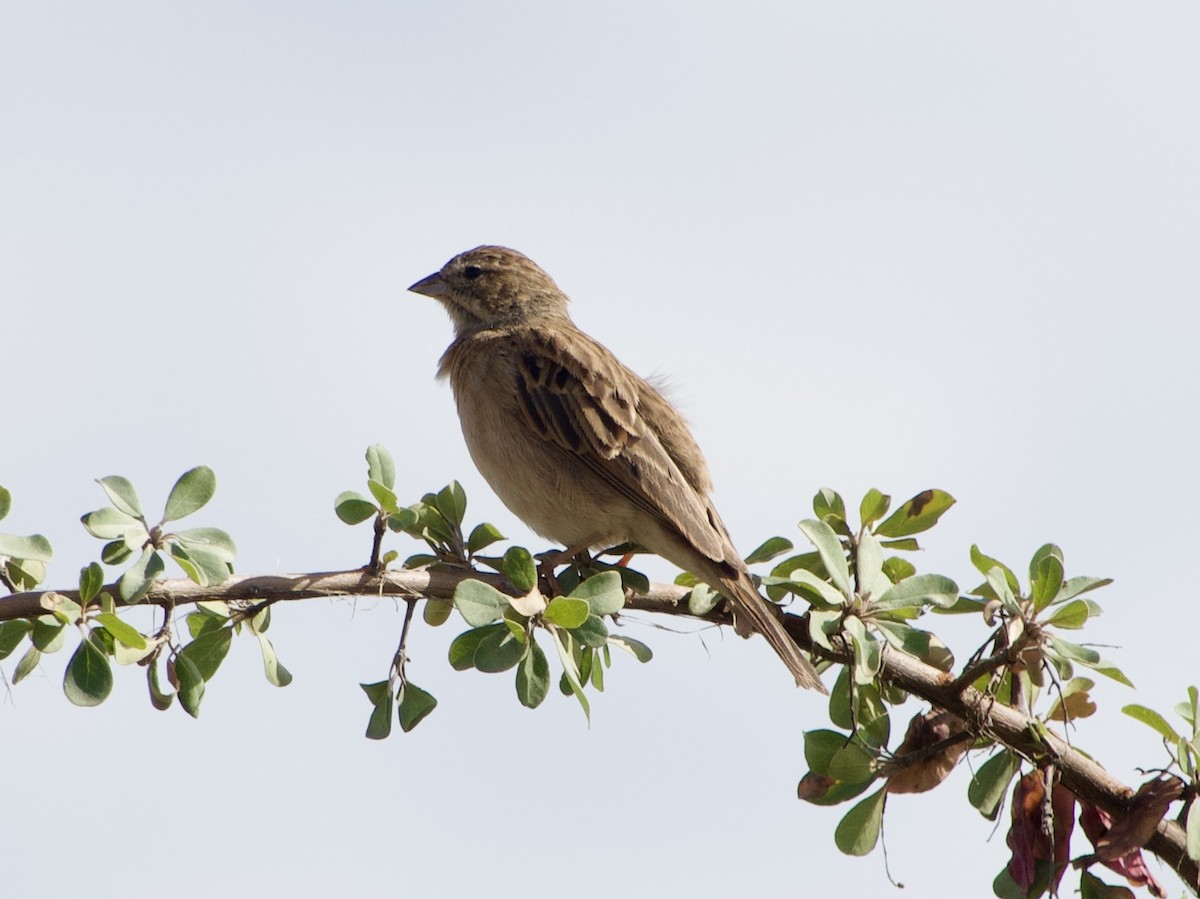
{"x": 205, "y": 554}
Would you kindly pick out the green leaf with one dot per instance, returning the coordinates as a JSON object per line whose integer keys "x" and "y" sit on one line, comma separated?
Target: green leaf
{"x": 125, "y": 633}
{"x": 483, "y": 536}
{"x": 380, "y": 466}
{"x": 702, "y": 599}
{"x": 419, "y": 560}
{"x": 869, "y": 566}
{"x": 207, "y": 651}
{"x": 823, "y": 749}
{"x": 873, "y": 723}
{"x": 498, "y": 651}
{"x": 631, "y": 580}
{"x": 833, "y": 556}
{"x": 25, "y": 574}
{"x": 873, "y": 507}
{"x": 402, "y": 520}
{"x": 1074, "y": 614}
{"x": 26, "y": 664}
{"x": 603, "y": 593}
{"x": 200, "y": 566}
{"x": 91, "y": 580}
{"x": 823, "y": 624}
{"x": 917, "y": 643}
{"x": 139, "y": 578}
{"x": 260, "y": 622}
{"x": 35, "y": 547}
{"x": 772, "y": 548}
{"x": 997, "y": 581}
{"x": 48, "y": 634}
{"x": 384, "y": 496}
{"x": 851, "y": 763}
{"x": 1189, "y": 710}
{"x": 592, "y": 632}
{"x": 1045, "y": 575}
{"x": 868, "y": 651}
{"x": 1111, "y": 671}
{"x": 567, "y": 612}
{"x": 918, "y": 590}
{"x": 918, "y": 514}
{"x": 379, "y": 727}
{"x": 828, "y": 504}
{"x": 275, "y": 673}
{"x": 127, "y": 655}
{"x": 597, "y": 671}
{"x": 984, "y": 564}
{"x": 5, "y": 503}
{"x": 533, "y": 677}
{"x": 1073, "y": 651}
{"x": 562, "y": 643}
{"x": 122, "y": 495}
{"x": 1077, "y": 585}
{"x": 62, "y": 607}
{"x": 430, "y": 523}
{"x": 820, "y": 747}
{"x": 115, "y": 553}
{"x": 479, "y": 603}
{"x": 109, "y": 523}
{"x": 1152, "y": 719}
{"x": 11, "y": 635}
{"x": 204, "y": 620}
{"x": 213, "y": 541}
{"x": 823, "y": 591}
{"x": 160, "y": 699}
{"x": 519, "y": 568}
{"x": 191, "y": 492}
{"x": 990, "y": 783}
{"x": 189, "y": 683}
{"x": 415, "y": 705}
{"x": 452, "y": 503}
{"x": 904, "y": 544}
{"x": 464, "y": 646}
{"x": 810, "y": 561}
{"x": 437, "y": 612}
{"x": 858, "y": 831}
{"x": 635, "y": 648}
{"x": 897, "y": 569}
{"x": 516, "y": 626}
{"x": 88, "y": 679}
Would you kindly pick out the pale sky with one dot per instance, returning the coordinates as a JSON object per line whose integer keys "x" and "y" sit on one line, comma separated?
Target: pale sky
{"x": 875, "y": 244}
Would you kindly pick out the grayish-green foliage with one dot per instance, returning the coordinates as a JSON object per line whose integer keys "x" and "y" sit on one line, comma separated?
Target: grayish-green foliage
{"x": 860, "y": 597}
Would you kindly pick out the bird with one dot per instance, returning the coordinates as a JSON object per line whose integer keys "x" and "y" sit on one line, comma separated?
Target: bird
{"x": 580, "y": 448}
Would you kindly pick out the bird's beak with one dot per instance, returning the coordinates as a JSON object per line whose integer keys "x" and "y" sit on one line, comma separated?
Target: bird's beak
{"x": 431, "y": 286}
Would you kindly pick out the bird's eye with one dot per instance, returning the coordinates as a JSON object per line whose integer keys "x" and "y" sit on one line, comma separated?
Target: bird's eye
{"x": 471, "y": 272}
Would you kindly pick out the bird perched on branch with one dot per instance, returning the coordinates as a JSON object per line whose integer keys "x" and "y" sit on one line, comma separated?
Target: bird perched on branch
{"x": 580, "y": 448}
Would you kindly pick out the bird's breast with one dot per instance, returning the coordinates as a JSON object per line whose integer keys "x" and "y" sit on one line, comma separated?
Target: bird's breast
{"x": 542, "y": 484}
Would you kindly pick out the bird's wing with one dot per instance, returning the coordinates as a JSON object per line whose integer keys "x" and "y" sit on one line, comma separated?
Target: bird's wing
{"x": 577, "y": 396}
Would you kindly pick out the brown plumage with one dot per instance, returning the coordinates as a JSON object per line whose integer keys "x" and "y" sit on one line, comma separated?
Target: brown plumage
{"x": 580, "y": 448}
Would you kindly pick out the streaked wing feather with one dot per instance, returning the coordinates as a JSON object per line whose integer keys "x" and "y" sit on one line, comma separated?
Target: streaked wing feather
{"x": 588, "y": 407}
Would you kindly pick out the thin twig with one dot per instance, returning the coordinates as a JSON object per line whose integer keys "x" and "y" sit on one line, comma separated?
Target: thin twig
{"x": 401, "y": 656}
{"x": 1009, "y": 726}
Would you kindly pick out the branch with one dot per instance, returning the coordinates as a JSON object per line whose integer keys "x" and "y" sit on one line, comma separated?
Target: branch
{"x": 982, "y": 714}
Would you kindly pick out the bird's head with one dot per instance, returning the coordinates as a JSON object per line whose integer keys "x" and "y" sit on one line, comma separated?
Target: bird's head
{"x": 489, "y": 287}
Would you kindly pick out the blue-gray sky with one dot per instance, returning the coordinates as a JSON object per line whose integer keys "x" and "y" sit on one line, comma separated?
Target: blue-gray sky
{"x": 870, "y": 244}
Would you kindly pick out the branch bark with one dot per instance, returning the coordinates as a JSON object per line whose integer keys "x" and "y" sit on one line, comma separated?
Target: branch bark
{"x": 983, "y": 715}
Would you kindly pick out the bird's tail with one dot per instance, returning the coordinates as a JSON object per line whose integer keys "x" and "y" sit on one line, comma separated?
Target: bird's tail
{"x": 762, "y": 617}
